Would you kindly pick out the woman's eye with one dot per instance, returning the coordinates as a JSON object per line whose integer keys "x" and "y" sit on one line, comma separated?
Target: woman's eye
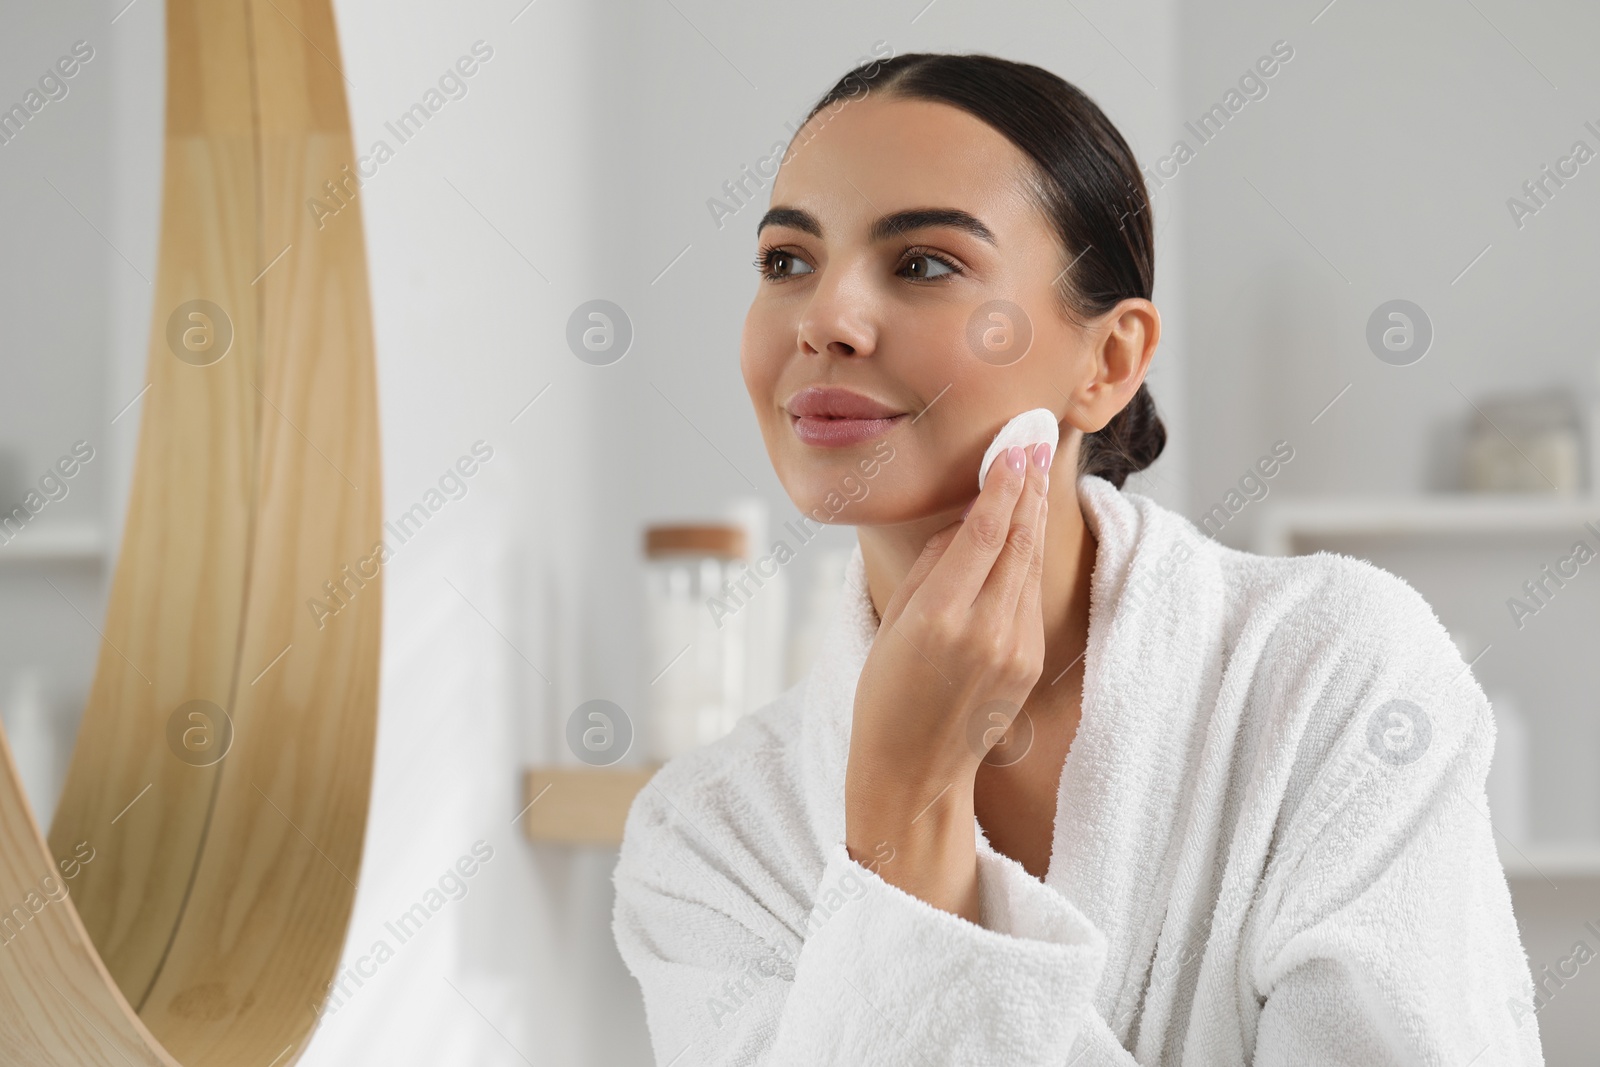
{"x": 925, "y": 266}
{"x": 776, "y": 263}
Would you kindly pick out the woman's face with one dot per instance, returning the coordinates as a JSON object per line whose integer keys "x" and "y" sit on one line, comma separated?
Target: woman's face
{"x": 900, "y": 311}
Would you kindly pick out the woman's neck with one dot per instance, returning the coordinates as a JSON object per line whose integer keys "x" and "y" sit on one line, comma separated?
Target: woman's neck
{"x": 889, "y": 551}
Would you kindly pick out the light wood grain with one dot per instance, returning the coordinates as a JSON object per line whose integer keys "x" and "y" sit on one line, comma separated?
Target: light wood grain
{"x": 581, "y": 805}
{"x": 58, "y": 1004}
{"x": 211, "y": 920}
{"x": 178, "y": 593}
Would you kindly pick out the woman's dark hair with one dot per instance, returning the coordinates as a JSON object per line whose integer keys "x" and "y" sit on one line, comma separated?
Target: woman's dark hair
{"x": 1087, "y": 183}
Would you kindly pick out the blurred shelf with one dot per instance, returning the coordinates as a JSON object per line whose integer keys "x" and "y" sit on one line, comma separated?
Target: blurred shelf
{"x": 62, "y": 542}
{"x": 579, "y": 805}
{"x": 1550, "y": 860}
{"x": 1454, "y": 514}
{"x": 1288, "y": 522}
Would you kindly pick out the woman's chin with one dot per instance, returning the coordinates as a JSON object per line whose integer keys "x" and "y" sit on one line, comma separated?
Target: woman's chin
{"x": 876, "y": 509}
{"x": 884, "y": 489}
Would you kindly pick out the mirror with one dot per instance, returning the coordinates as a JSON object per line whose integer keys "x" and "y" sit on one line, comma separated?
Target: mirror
{"x": 210, "y": 823}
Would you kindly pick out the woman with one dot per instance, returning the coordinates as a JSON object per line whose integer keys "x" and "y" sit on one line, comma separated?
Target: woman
{"x": 1069, "y": 781}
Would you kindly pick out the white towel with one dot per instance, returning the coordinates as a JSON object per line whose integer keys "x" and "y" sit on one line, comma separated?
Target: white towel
{"x": 1271, "y": 846}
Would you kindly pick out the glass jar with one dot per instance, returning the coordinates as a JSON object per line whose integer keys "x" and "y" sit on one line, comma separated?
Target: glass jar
{"x": 695, "y": 644}
{"x": 1525, "y": 442}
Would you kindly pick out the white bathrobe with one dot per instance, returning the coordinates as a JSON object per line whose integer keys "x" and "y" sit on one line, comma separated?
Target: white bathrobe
{"x": 1271, "y": 846}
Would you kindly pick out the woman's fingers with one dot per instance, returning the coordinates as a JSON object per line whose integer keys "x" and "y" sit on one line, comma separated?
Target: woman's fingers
{"x": 1028, "y": 601}
{"x": 932, "y": 552}
{"x": 997, "y": 603}
{"x": 959, "y": 576}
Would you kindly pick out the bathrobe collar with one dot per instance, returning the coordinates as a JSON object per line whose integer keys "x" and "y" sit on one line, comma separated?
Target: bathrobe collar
{"x": 1149, "y": 669}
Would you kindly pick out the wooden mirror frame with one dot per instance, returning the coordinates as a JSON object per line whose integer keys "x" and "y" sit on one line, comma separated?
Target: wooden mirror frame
{"x": 209, "y": 889}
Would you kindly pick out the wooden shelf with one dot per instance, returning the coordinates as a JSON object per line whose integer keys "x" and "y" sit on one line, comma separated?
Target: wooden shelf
{"x": 1452, "y": 514}
{"x": 580, "y": 805}
{"x": 62, "y": 542}
{"x": 588, "y": 805}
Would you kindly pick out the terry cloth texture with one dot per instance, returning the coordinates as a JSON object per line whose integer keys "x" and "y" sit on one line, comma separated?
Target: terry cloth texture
{"x": 1271, "y": 846}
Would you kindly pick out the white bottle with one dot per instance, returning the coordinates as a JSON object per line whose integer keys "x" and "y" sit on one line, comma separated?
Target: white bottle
{"x": 696, "y": 624}
{"x": 766, "y": 634}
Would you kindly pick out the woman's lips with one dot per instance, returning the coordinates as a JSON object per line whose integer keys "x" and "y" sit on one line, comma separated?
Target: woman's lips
{"x": 839, "y": 433}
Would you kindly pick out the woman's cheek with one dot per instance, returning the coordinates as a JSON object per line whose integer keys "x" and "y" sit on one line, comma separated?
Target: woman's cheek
{"x": 746, "y": 361}
{"x": 759, "y": 367}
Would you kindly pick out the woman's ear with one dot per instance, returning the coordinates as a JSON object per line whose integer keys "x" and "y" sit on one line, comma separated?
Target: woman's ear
{"x": 1123, "y": 341}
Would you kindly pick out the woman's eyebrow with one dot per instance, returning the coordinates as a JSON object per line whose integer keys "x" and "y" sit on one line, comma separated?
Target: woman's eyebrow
{"x": 887, "y": 226}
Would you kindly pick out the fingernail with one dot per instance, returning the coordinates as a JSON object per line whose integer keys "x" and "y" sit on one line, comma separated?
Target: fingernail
{"x": 1041, "y": 455}
{"x": 1015, "y": 457}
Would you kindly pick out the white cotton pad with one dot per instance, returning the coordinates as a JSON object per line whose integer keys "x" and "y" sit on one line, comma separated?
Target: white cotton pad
{"x": 1038, "y": 426}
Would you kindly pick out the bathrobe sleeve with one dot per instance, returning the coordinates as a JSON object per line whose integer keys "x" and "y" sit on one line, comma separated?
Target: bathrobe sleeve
{"x": 1387, "y": 934}
{"x": 876, "y": 975}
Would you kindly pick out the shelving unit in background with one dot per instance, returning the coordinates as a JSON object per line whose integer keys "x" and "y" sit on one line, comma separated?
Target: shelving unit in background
{"x": 1552, "y": 862}
{"x": 52, "y": 581}
{"x": 1285, "y": 521}
{"x": 1298, "y": 525}
{"x": 62, "y": 542}
{"x": 579, "y": 805}
{"x": 587, "y": 805}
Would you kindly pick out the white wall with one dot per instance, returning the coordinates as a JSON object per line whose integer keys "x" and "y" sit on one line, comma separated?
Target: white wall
{"x": 1389, "y": 145}
{"x": 479, "y": 242}
{"x": 1378, "y": 167}
{"x": 58, "y": 270}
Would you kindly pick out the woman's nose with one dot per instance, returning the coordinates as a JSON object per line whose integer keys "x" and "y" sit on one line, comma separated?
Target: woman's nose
{"x": 838, "y": 319}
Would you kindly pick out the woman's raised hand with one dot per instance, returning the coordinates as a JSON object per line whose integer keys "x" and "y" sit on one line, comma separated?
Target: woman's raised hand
{"x": 959, "y": 648}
